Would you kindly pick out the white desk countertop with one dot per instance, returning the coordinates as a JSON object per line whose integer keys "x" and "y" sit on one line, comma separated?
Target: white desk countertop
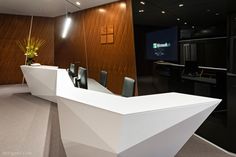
{"x": 101, "y": 97}
{"x": 123, "y": 105}
{"x": 95, "y": 86}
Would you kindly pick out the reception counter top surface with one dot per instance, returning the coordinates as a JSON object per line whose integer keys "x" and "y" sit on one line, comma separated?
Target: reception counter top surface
{"x": 122, "y": 105}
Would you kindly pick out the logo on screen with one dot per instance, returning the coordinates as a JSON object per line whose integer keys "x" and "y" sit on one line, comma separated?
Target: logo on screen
{"x": 158, "y": 45}
{"x": 159, "y": 48}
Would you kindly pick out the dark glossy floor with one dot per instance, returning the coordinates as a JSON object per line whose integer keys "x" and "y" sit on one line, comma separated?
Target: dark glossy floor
{"x": 198, "y": 147}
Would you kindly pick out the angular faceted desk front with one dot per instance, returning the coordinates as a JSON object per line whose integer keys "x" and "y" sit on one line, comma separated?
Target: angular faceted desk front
{"x": 95, "y": 124}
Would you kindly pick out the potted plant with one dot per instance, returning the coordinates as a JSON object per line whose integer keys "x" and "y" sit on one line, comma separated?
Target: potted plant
{"x": 30, "y": 47}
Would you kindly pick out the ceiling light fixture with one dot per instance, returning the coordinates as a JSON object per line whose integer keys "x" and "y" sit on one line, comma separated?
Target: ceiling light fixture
{"x": 74, "y": 4}
{"x": 66, "y": 26}
{"x": 193, "y": 27}
{"x": 101, "y": 10}
{"x": 142, "y": 2}
{"x": 141, "y": 11}
{"x": 163, "y": 12}
{"x": 185, "y": 23}
{"x": 68, "y": 19}
{"x": 123, "y": 5}
{"x": 78, "y": 3}
{"x": 217, "y": 14}
{"x": 178, "y": 19}
{"x": 181, "y": 5}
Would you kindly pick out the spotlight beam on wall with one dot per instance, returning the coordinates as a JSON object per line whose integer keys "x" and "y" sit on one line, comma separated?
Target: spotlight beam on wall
{"x": 66, "y": 27}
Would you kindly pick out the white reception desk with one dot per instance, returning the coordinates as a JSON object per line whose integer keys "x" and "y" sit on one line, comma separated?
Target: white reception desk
{"x": 100, "y": 124}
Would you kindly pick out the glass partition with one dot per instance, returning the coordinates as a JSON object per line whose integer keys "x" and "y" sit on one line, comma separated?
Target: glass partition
{"x": 187, "y": 46}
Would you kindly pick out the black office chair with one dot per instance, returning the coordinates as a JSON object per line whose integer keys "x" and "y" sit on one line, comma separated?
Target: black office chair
{"x": 103, "y": 78}
{"x": 81, "y": 81}
{"x": 128, "y": 87}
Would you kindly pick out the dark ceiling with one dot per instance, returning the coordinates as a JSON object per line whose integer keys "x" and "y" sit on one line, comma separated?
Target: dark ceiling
{"x": 194, "y": 12}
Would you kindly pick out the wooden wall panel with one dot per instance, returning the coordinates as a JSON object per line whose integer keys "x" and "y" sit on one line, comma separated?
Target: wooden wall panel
{"x": 83, "y": 43}
{"x": 43, "y": 28}
{"x": 13, "y": 28}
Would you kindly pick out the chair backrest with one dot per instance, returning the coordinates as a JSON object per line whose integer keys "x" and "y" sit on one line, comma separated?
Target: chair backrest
{"x": 72, "y": 70}
{"x": 103, "y": 78}
{"x": 128, "y": 87}
{"x": 82, "y": 74}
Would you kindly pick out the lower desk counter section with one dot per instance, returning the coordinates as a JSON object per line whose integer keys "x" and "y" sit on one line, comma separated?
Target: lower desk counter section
{"x": 106, "y": 125}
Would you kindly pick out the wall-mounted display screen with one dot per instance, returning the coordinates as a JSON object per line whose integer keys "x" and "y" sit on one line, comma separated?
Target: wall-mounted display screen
{"x": 162, "y": 45}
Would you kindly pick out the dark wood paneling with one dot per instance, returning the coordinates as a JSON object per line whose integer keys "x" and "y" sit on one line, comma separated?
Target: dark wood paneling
{"x": 83, "y": 43}
{"x": 43, "y": 28}
{"x": 13, "y": 28}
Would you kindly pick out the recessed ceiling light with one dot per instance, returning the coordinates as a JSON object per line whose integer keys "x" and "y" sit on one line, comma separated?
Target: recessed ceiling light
{"x": 208, "y": 10}
{"x": 181, "y": 5}
{"x": 77, "y": 3}
{"x": 163, "y": 12}
{"x": 141, "y": 11}
{"x": 123, "y": 5}
{"x": 142, "y": 2}
{"x": 205, "y": 31}
{"x": 217, "y": 14}
{"x": 178, "y": 19}
{"x": 193, "y": 27}
{"x": 101, "y": 10}
{"x": 185, "y": 23}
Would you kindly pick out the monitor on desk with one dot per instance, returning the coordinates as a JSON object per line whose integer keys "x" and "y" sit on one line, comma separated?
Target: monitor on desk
{"x": 73, "y": 69}
{"x": 82, "y": 78}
